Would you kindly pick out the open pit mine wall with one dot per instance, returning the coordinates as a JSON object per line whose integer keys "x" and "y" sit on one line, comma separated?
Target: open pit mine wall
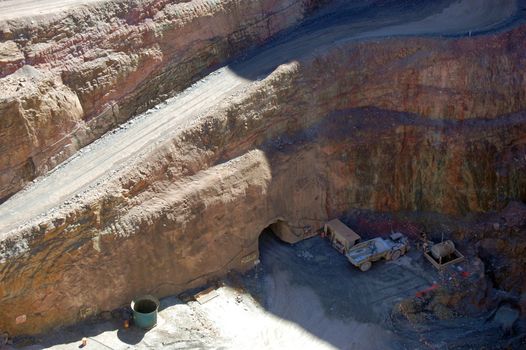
{"x": 69, "y": 78}
{"x": 409, "y": 124}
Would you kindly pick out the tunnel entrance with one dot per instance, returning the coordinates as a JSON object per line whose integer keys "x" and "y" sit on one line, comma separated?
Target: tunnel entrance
{"x": 289, "y": 233}
{"x": 275, "y": 232}
{"x": 278, "y": 232}
{"x": 270, "y": 239}
{"x": 280, "y": 229}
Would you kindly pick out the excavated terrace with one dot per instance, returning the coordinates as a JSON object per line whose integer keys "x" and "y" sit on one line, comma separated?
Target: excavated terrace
{"x": 385, "y": 114}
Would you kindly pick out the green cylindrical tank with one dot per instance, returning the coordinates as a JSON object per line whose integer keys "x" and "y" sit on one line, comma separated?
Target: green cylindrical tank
{"x": 145, "y": 310}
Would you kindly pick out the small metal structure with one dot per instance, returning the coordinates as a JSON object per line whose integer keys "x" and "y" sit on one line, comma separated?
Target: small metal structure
{"x": 341, "y": 236}
{"x": 442, "y": 254}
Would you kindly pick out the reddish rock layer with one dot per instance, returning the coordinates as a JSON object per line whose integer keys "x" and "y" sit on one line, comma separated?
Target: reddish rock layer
{"x": 458, "y": 79}
{"x": 293, "y": 150}
{"x": 117, "y": 59}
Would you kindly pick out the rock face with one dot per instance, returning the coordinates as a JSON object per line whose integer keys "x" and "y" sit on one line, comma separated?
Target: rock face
{"x": 110, "y": 60}
{"x": 397, "y": 125}
{"x": 32, "y": 101}
{"x": 11, "y": 57}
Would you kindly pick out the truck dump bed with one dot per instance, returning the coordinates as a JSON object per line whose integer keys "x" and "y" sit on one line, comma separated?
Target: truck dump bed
{"x": 366, "y": 250}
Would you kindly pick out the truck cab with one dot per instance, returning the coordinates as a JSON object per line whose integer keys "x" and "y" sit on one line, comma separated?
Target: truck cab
{"x": 341, "y": 236}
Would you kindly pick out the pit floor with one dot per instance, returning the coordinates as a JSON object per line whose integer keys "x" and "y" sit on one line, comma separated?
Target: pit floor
{"x": 302, "y": 296}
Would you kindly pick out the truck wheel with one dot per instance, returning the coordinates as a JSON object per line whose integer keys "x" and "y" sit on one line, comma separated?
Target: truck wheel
{"x": 366, "y": 266}
{"x": 396, "y": 254}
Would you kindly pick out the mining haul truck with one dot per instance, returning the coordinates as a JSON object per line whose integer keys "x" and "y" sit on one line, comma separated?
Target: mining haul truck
{"x": 364, "y": 254}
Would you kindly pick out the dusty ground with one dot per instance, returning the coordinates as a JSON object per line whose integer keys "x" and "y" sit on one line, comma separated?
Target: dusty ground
{"x": 300, "y": 296}
{"x": 12, "y": 9}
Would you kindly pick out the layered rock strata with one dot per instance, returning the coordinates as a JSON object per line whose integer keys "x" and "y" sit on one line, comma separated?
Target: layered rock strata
{"x": 389, "y": 125}
{"x": 93, "y": 67}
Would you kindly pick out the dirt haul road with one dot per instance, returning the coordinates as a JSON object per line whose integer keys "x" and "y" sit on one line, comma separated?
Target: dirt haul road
{"x": 343, "y": 20}
{"x": 13, "y": 9}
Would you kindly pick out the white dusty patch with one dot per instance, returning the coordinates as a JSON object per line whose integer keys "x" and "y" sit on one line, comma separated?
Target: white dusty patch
{"x": 247, "y": 325}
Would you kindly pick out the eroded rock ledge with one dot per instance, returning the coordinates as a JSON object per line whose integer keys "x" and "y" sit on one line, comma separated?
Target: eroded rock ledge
{"x": 292, "y": 150}
{"x": 70, "y": 77}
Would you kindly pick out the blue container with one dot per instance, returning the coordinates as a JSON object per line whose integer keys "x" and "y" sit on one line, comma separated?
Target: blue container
{"x": 145, "y": 310}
